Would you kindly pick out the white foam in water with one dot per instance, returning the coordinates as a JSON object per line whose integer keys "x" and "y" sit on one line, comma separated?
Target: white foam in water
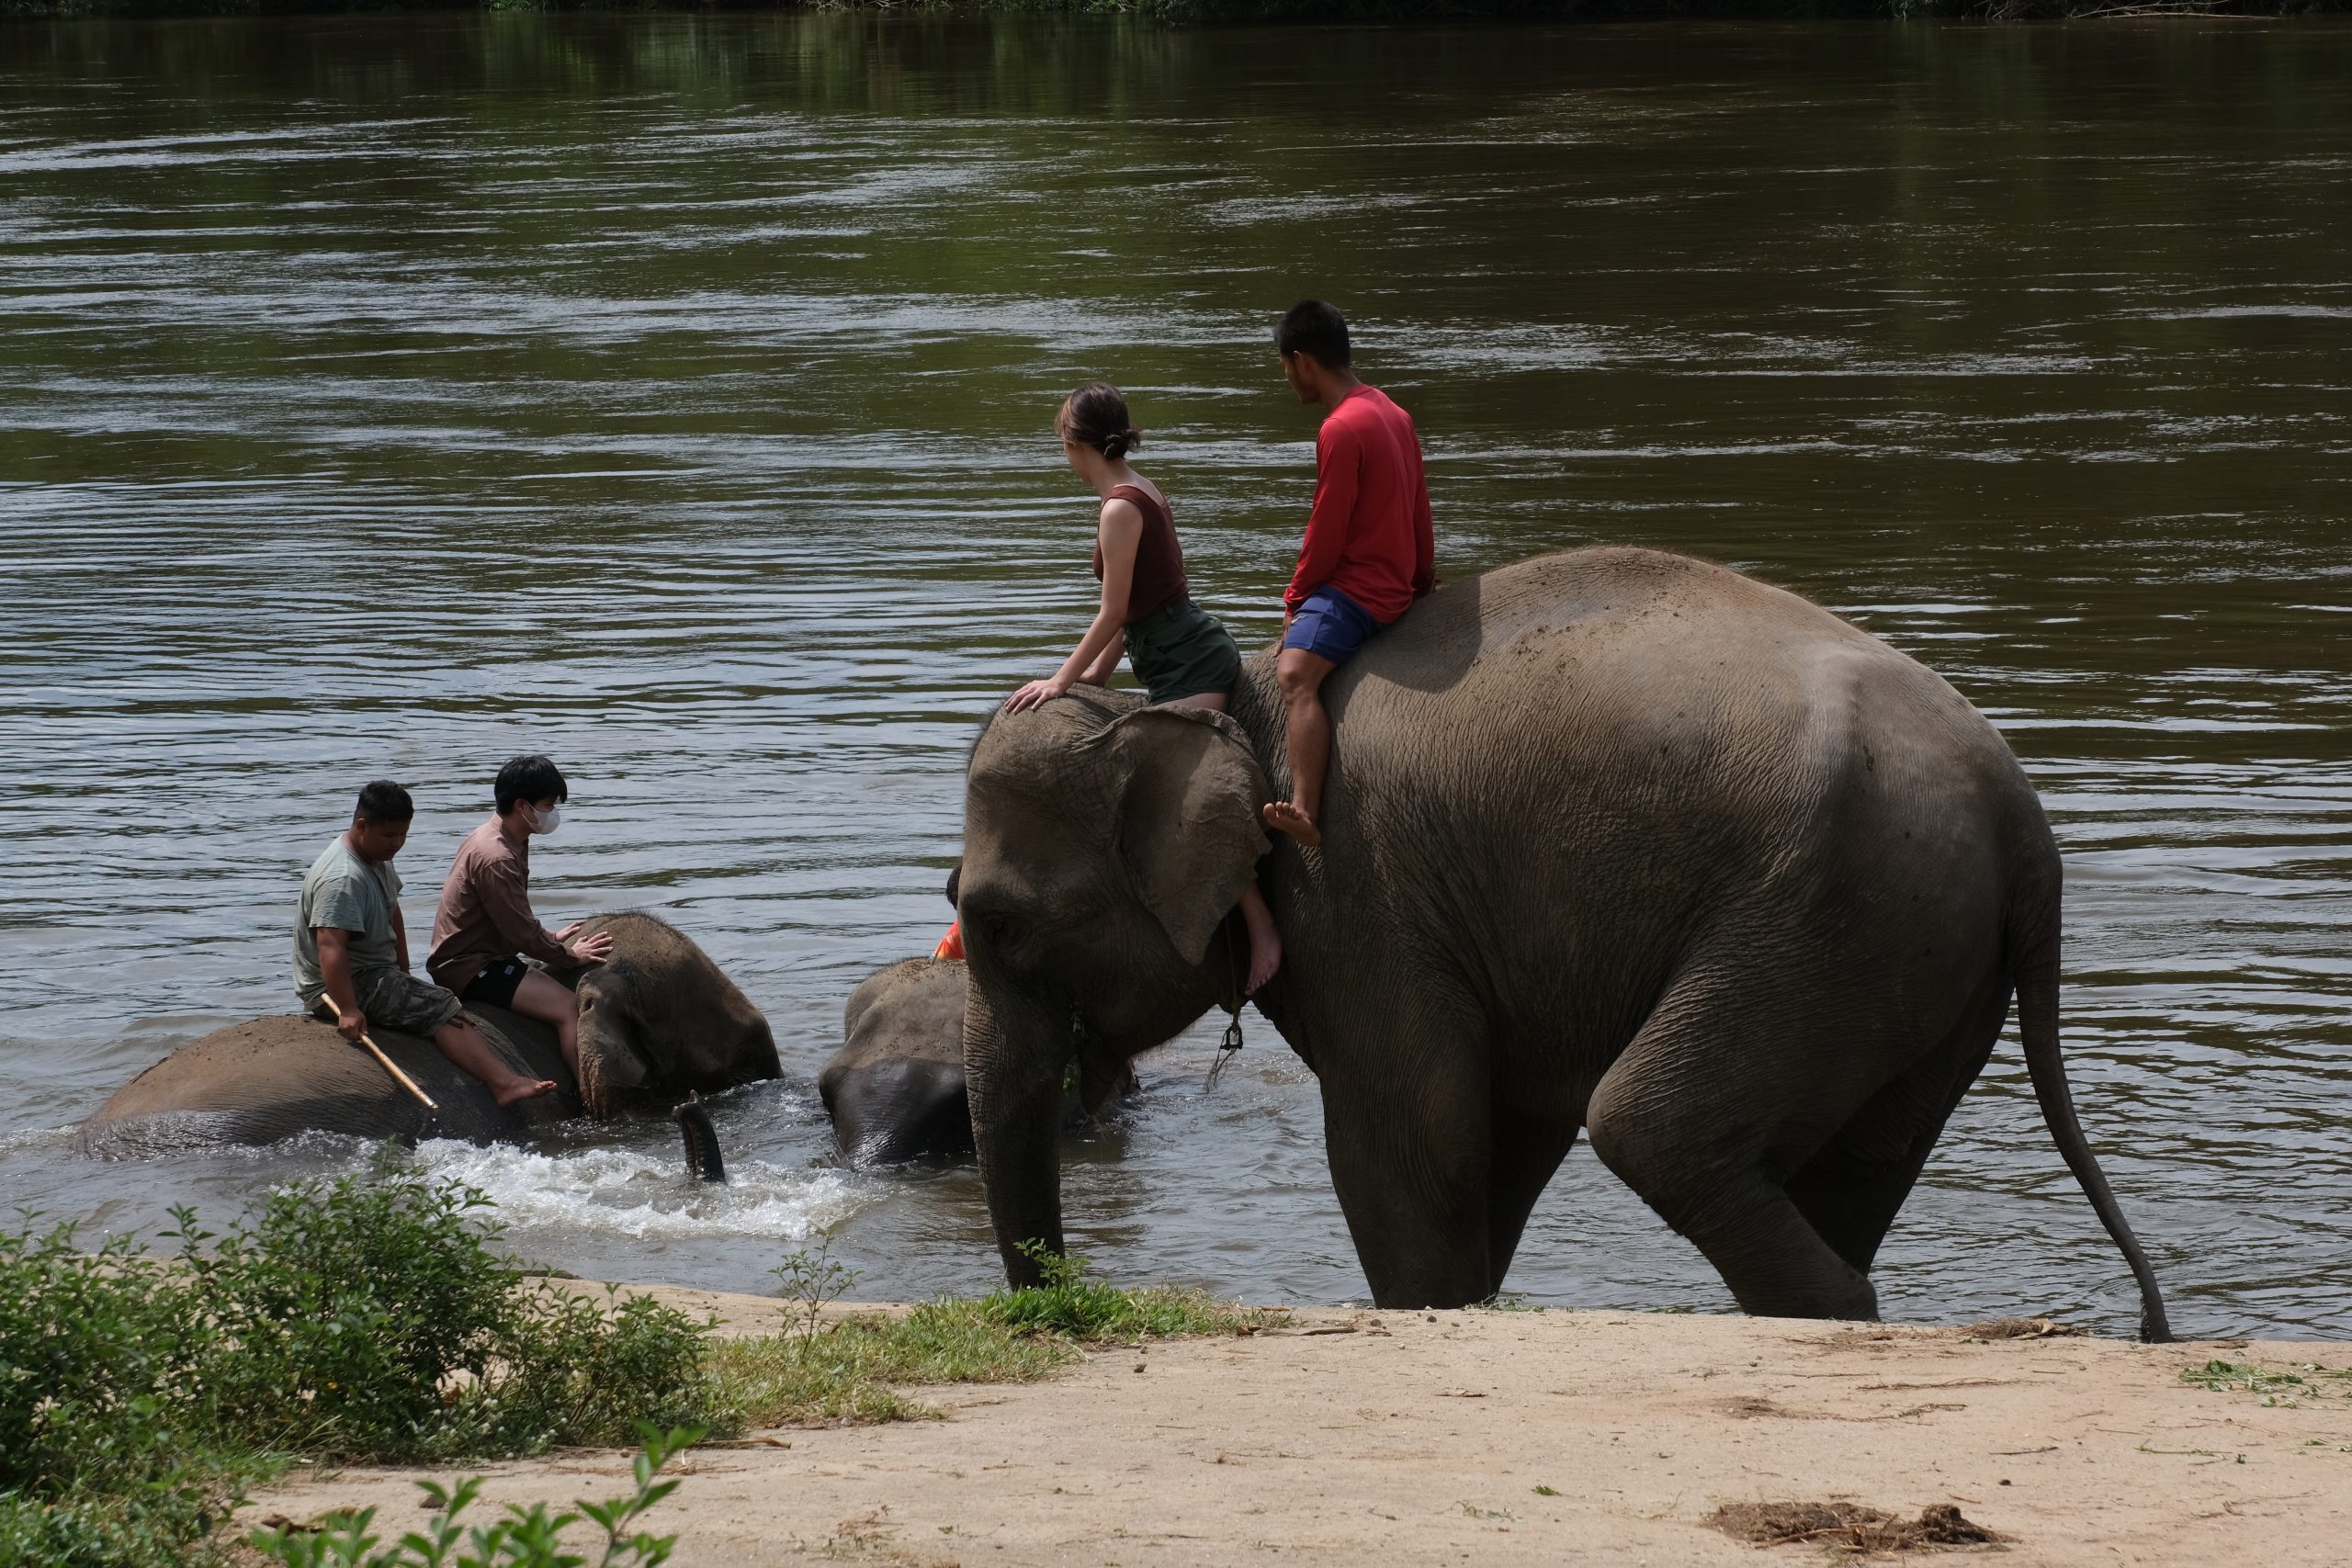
{"x": 620, "y": 1192}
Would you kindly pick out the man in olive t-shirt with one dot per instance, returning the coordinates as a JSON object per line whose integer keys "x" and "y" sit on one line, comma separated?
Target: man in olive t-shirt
{"x": 350, "y": 948}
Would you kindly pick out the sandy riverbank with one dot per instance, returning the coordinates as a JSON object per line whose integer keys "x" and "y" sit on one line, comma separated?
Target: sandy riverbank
{"x": 1361, "y": 1437}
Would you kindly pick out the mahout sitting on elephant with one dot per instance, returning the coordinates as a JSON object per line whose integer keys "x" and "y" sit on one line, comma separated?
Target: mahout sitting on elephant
{"x": 658, "y": 1021}
{"x": 1614, "y": 842}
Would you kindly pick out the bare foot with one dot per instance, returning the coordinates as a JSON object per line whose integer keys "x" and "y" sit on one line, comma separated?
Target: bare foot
{"x": 517, "y": 1090}
{"x": 1265, "y": 946}
{"x": 1282, "y": 817}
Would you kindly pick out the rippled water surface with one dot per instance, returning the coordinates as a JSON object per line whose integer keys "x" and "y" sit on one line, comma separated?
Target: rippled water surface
{"x": 389, "y": 395}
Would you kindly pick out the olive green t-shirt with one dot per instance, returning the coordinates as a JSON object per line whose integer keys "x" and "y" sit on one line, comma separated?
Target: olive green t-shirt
{"x": 346, "y": 892}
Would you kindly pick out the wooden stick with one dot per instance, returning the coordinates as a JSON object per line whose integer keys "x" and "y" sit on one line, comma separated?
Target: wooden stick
{"x": 389, "y": 1065}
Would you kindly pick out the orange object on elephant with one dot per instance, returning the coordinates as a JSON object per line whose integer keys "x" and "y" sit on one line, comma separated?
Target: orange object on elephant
{"x": 952, "y": 945}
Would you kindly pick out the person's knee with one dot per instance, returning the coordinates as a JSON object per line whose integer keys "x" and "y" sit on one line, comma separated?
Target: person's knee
{"x": 1298, "y": 677}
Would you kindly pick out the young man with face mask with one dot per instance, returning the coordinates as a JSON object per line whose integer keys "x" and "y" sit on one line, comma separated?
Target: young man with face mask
{"x": 485, "y": 935}
{"x": 350, "y": 948}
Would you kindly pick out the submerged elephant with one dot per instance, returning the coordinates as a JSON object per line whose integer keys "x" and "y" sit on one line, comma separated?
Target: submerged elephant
{"x": 895, "y": 1089}
{"x": 657, "y": 1023}
{"x": 1614, "y": 842}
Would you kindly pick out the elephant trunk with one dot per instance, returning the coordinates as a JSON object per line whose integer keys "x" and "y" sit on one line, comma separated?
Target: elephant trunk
{"x": 1015, "y": 1051}
{"x": 612, "y": 1074}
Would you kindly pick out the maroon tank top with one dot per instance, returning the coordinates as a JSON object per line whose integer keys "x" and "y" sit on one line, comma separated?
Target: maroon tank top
{"x": 1159, "y": 560}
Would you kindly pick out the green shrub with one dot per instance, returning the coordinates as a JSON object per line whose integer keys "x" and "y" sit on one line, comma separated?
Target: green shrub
{"x": 103, "y": 1361}
{"x": 371, "y": 1321}
{"x": 577, "y": 1371}
{"x": 352, "y": 1306}
{"x": 361, "y": 1319}
{"x": 531, "y": 1537}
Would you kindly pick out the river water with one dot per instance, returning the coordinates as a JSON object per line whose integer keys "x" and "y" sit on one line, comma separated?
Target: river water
{"x": 387, "y": 395}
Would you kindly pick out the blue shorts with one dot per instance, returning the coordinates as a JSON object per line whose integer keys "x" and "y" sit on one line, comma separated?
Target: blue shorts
{"x": 1330, "y": 625}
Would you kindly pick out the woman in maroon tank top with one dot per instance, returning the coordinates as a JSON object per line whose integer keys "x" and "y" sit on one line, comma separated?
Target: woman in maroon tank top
{"x": 1184, "y": 655}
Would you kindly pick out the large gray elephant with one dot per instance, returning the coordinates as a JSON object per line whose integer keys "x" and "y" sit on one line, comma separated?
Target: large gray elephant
{"x": 1613, "y": 840}
{"x": 658, "y": 1021}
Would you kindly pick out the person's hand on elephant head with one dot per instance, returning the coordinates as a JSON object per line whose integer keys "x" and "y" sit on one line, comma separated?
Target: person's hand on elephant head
{"x": 589, "y": 951}
{"x": 1036, "y": 694}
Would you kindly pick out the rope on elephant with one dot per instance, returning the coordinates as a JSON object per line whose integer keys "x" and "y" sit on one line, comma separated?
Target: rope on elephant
{"x": 1232, "y": 1041}
{"x": 1225, "y": 1049}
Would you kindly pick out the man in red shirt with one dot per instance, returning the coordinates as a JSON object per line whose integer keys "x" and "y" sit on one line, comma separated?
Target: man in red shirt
{"x": 1368, "y": 553}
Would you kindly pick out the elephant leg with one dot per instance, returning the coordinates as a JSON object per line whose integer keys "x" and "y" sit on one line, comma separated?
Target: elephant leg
{"x": 1526, "y": 1154}
{"x": 1409, "y": 1147}
{"x": 1851, "y": 1189}
{"x": 1695, "y": 1117}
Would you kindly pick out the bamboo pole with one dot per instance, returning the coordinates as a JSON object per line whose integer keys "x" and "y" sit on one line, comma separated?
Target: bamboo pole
{"x": 391, "y": 1067}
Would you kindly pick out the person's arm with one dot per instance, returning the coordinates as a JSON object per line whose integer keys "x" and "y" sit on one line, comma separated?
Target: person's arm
{"x": 1424, "y": 536}
{"x": 1108, "y": 664}
{"x": 399, "y": 936}
{"x": 334, "y": 970}
{"x": 1120, "y": 531}
{"x": 506, "y": 899}
{"x": 1339, "y": 463}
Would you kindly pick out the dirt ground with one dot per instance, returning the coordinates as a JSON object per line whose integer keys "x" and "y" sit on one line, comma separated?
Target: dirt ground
{"x": 1513, "y": 1437}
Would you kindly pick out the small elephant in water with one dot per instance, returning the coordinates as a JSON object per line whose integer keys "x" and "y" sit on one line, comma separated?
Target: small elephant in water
{"x": 658, "y": 1022}
{"x": 1614, "y": 843}
{"x": 895, "y": 1089}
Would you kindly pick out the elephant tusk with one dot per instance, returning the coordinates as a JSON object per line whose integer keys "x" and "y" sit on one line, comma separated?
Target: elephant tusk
{"x": 703, "y": 1160}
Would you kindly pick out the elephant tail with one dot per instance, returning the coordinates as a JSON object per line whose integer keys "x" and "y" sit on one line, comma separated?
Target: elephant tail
{"x": 2038, "y": 1023}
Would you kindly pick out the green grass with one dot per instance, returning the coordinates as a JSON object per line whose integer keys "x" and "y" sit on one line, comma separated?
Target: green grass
{"x": 853, "y": 1369}
{"x": 2310, "y": 1380}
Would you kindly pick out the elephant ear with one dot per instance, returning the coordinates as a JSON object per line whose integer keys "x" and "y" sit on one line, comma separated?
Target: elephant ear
{"x": 1190, "y": 791}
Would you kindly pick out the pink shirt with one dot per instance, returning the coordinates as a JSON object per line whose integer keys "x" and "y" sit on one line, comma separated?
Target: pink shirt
{"x": 485, "y": 912}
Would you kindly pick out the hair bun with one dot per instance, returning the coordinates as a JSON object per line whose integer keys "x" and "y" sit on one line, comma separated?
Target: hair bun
{"x": 1096, "y": 416}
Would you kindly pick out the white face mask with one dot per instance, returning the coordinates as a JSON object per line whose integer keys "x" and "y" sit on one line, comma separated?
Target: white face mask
{"x": 544, "y": 823}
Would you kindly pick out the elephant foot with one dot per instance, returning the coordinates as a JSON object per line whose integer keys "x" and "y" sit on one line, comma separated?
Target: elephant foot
{"x": 1282, "y": 817}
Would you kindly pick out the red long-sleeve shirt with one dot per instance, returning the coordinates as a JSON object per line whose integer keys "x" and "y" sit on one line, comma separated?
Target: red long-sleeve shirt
{"x": 1369, "y": 534}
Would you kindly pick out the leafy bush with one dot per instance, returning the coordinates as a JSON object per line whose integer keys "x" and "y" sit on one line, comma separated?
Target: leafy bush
{"x": 102, "y": 1365}
{"x": 577, "y": 1371}
{"x": 361, "y": 1319}
{"x": 371, "y": 1321}
{"x": 524, "y": 1538}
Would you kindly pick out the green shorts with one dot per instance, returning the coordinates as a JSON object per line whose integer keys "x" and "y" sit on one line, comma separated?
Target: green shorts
{"x": 1181, "y": 650}
{"x": 397, "y": 1000}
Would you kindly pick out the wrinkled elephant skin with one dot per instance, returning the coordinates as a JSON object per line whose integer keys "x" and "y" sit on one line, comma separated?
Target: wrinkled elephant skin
{"x": 895, "y": 1089}
{"x": 1613, "y": 842}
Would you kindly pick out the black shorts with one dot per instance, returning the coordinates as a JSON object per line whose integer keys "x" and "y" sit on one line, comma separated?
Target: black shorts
{"x": 494, "y": 987}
